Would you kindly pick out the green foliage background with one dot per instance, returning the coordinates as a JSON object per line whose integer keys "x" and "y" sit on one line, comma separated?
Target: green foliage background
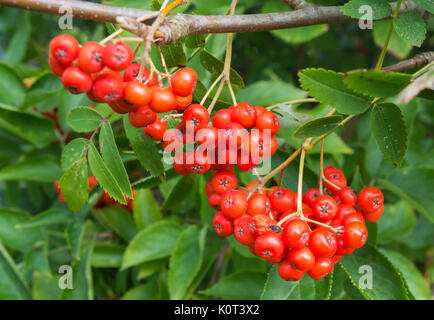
{"x": 167, "y": 248}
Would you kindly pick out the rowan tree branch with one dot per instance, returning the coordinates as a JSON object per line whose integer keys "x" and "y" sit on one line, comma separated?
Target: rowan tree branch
{"x": 420, "y": 60}
{"x": 296, "y": 4}
{"x": 178, "y": 26}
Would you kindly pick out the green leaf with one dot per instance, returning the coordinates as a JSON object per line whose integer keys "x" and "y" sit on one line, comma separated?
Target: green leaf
{"x": 43, "y": 92}
{"x": 37, "y": 130}
{"x": 238, "y": 286}
{"x": 415, "y": 187}
{"x": 155, "y": 5}
{"x": 317, "y": 127}
{"x": 75, "y": 186}
{"x": 12, "y": 89}
{"x": 82, "y": 278}
{"x": 387, "y": 284}
{"x": 151, "y": 182}
{"x": 179, "y": 192}
{"x": 376, "y": 83}
{"x": 74, "y": 236}
{"x": 155, "y": 242}
{"x": 389, "y": 130}
{"x": 396, "y": 46}
{"x": 83, "y": 119}
{"x": 45, "y": 286}
{"x": 51, "y": 216}
{"x": 185, "y": 261}
{"x": 18, "y": 44}
{"x": 149, "y": 268}
{"x": 72, "y": 152}
{"x": 12, "y": 285}
{"x": 215, "y": 66}
{"x": 146, "y": 209}
{"x": 112, "y": 159}
{"x": 397, "y": 221}
{"x": 329, "y": 88}
{"x": 276, "y": 288}
{"x": 410, "y": 26}
{"x": 104, "y": 176}
{"x": 195, "y": 41}
{"x": 425, "y": 4}
{"x": 174, "y": 55}
{"x": 267, "y": 93}
{"x": 11, "y": 236}
{"x": 309, "y": 289}
{"x": 412, "y": 276}
{"x": 145, "y": 149}
{"x": 380, "y": 8}
{"x": 107, "y": 255}
{"x": 147, "y": 291}
{"x": 39, "y": 169}
{"x": 118, "y": 219}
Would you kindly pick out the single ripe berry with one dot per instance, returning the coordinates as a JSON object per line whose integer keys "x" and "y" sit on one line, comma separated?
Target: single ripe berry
{"x": 197, "y": 115}
{"x": 353, "y": 217}
{"x": 288, "y": 272}
{"x": 303, "y": 258}
{"x": 224, "y": 181}
{"x": 232, "y": 136}
{"x": 117, "y": 56}
{"x": 259, "y": 110}
{"x": 310, "y": 196}
{"x": 259, "y": 144}
{"x": 142, "y": 117}
{"x": 131, "y": 73}
{"x": 245, "y": 162}
{"x": 234, "y": 203}
{"x": 336, "y": 177}
{"x": 56, "y": 67}
{"x": 270, "y": 247}
{"x": 197, "y": 162}
{"x": 222, "y": 118}
{"x": 183, "y": 102}
{"x": 90, "y": 57}
{"x": 184, "y": 82}
{"x": 348, "y": 196}
{"x": 296, "y": 234}
{"x": 137, "y": 93}
{"x": 244, "y": 114}
{"x": 76, "y": 80}
{"x": 163, "y": 100}
{"x": 258, "y": 204}
{"x": 343, "y": 211}
{"x": 206, "y": 138}
{"x": 374, "y": 215}
{"x": 64, "y": 48}
{"x": 214, "y": 201}
{"x": 223, "y": 225}
{"x": 262, "y": 224}
{"x": 282, "y": 200}
{"x": 323, "y": 242}
{"x": 324, "y": 208}
{"x": 355, "y": 235}
{"x": 244, "y": 230}
{"x": 107, "y": 87}
{"x": 119, "y": 107}
{"x": 267, "y": 120}
{"x": 178, "y": 164}
{"x": 370, "y": 199}
{"x": 156, "y": 130}
{"x": 322, "y": 268}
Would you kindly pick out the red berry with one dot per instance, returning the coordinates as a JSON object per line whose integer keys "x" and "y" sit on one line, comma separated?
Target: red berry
{"x": 355, "y": 235}
{"x": 137, "y": 93}
{"x": 184, "y": 82}
{"x": 64, "y": 48}
{"x": 206, "y": 138}
{"x": 336, "y": 177}
{"x": 163, "y": 100}
{"x": 197, "y": 162}
{"x": 198, "y": 115}
{"x": 303, "y": 258}
{"x": 244, "y": 230}
{"x": 288, "y": 272}
{"x": 353, "y": 217}
{"x": 323, "y": 242}
{"x": 224, "y": 181}
{"x": 209, "y": 189}
{"x": 270, "y": 247}
{"x": 76, "y": 80}
{"x": 342, "y": 249}
{"x": 179, "y": 163}
{"x": 322, "y": 268}
{"x": 142, "y": 117}
{"x": 222, "y": 118}
{"x": 245, "y": 162}
{"x": 347, "y": 196}
{"x": 131, "y": 73}
{"x": 259, "y": 144}
{"x": 214, "y": 201}
{"x": 119, "y": 107}
{"x": 183, "y": 102}
{"x": 232, "y": 136}
{"x": 324, "y": 208}
{"x": 343, "y": 211}
{"x": 258, "y": 204}
{"x": 56, "y": 67}
{"x": 107, "y": 87}
{"x": 244, "y": 114}
{"x": 370, "y": 199}
{"x": 296, "y": 234}
{"x": 234, "y": 204}
{"x": 310, "y": 196}
{"x": 262, "y": 224}
{"x": 156, "y": 130}
{"x": 90, "y": 57}
{"x": 117, "y": 56}
{"x": 172, "y": 141}
{"x": 267, "y": 120}
{"x": 282, "y": 200}
{"x": 222, "y": 224}
{"x": 259, "y": 110}
{"x": 374, "y": 215}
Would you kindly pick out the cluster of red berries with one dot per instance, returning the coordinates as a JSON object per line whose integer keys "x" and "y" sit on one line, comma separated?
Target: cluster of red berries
{"x": 96, "y": 70}
{"x": 104, "y": 200}
{"x": 330, "y": 225}
{"x": 241, "y": 135}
